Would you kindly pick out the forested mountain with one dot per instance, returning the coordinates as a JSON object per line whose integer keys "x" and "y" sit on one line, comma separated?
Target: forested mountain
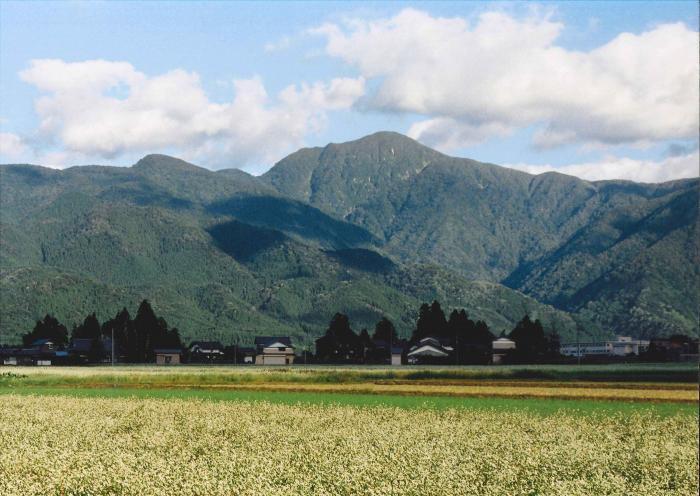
{"x": 219, "y": 255}
{"x": 369, "y": 228}
{"x": 623, "y": 254}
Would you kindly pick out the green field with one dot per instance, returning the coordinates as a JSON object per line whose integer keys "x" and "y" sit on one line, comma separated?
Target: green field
{"x": 537, "y": 406}
{"x": 202, "y": 375}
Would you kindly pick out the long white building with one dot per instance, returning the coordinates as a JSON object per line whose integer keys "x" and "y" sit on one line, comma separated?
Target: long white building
{"x": 622, "y": 346}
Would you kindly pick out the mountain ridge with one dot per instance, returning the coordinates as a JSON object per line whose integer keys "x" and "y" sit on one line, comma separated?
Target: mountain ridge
{"x": 617, "y": 255}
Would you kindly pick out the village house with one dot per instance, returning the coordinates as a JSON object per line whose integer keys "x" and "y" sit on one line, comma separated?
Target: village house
{"x": 247, "y": 355}
{"x": 380, "y": 351}
{"x": 274, "y": 350}
{"x": 206, "y": 351}
{"x": 167, "y": 356}
{"x": 40, "y": 352}
{"x": 429, "y": 350}
{"x": 676, "y": 348}
{"x": 500, "y": 348}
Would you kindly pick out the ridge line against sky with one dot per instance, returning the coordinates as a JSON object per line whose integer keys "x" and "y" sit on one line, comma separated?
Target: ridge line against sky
{"x": 600, "y": 91}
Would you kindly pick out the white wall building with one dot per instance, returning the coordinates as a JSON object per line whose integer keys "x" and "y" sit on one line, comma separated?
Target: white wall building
{"x": 500, "y": 348}
{"x": 622, "y": 346}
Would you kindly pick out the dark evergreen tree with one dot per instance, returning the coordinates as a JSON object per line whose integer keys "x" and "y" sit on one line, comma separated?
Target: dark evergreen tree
{"x": 422, "y": 329}
{"x": 471, "y": 340}
{"x": 121, "y": 328}
{"x": 431, "y": 322}
{"x": 553, "y": 344}
{"x": 384, "y": 337}
{"x": 160, "y": 337}
{"x": 482, "y": 335}
{"x": 530, "y": 342}
{"x": 135, "y": 340}
{"x": 146, "y": 326}
{"x": 384, "y": 330}
{"x": 89, "y": 329}
{"x": 173, "y": 340}
{"x": 438, "y": 321}
{"x": 340, "y": 344}
{"x": 367, "y": 345}
{"x": 48, "y": 328}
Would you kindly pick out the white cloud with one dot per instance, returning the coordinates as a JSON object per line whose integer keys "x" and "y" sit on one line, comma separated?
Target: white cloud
{"x": 106, "y": 109}
{"x": 11, "y": 146}
{"x": 645, "y": 171}
{"x": 278, "y": 46}
{"x": 499, "y": 73}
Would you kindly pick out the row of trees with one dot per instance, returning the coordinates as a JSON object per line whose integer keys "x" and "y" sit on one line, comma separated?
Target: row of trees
{"x": 470, "y": 340}
{"x": 134, "y": 339}
{"x": 340, "y": 344}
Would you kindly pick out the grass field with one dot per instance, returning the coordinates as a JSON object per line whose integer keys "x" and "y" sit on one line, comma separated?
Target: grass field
{"x": 342, "y": 431}
{"x": 199, "y": 375}
{"x": 632, "y": 383}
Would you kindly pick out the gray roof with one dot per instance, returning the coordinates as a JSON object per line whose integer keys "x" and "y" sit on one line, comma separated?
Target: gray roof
{"x": 268, "y": 340}
{"x": 81, "y": 344}
{"x": 207, "y": 345}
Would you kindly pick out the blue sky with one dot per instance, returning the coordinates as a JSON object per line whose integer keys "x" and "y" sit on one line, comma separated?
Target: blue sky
{"x": 230, "y": 84}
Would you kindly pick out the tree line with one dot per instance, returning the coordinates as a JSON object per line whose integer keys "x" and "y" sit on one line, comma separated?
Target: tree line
{"x": 134, "y": 338}
{"x": 470, "y": 340}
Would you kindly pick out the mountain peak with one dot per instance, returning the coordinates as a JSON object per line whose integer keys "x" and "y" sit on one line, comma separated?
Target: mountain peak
{"x": 383, "y": 139}
{"x": 157, "y": 161}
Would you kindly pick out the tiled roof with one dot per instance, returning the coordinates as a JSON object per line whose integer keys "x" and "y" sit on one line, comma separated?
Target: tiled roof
{"x": 268, "y": 340}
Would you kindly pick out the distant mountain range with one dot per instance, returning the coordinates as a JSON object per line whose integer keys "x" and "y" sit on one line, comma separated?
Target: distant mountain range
{"x": 371, "y": 227}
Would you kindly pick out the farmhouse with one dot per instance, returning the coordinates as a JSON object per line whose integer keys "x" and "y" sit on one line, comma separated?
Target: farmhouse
{"x": 167, "y": 356}
{"x": 274, "y": 350}
{"x": 500, "y": 349}
{"x": 43, "y": 346}
{"x": 206, "y": 351}
{"x": 247, "y": 355}
{"x": 428, "y": 350}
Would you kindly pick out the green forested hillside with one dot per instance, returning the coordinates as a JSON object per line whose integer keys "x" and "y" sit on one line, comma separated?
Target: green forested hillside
{"x": 620, "y": 253}
{"x": 372, "y": 227}
{"x": 220, "y": 255}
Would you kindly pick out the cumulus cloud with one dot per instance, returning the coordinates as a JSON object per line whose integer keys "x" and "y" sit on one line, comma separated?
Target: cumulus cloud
{"x": 105, "y": 109}
{"x": 474, "y": 80}
{"x": 645, "y": 171}
{"x": 11, "y": 146}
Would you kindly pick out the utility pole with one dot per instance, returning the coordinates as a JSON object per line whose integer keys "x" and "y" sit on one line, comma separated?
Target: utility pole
{"x": 112, "y": 346}
{"x": 456, "y": 346}
{"x": 391, "y": 339}
{"x": 578, "y": 346}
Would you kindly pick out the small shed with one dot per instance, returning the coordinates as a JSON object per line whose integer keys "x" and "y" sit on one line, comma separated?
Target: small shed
{"x": 500, "y": 348}
{"x": 396, "y": 355}
{"x": 247, "y": 355}
{"x": 167, "y": 356}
